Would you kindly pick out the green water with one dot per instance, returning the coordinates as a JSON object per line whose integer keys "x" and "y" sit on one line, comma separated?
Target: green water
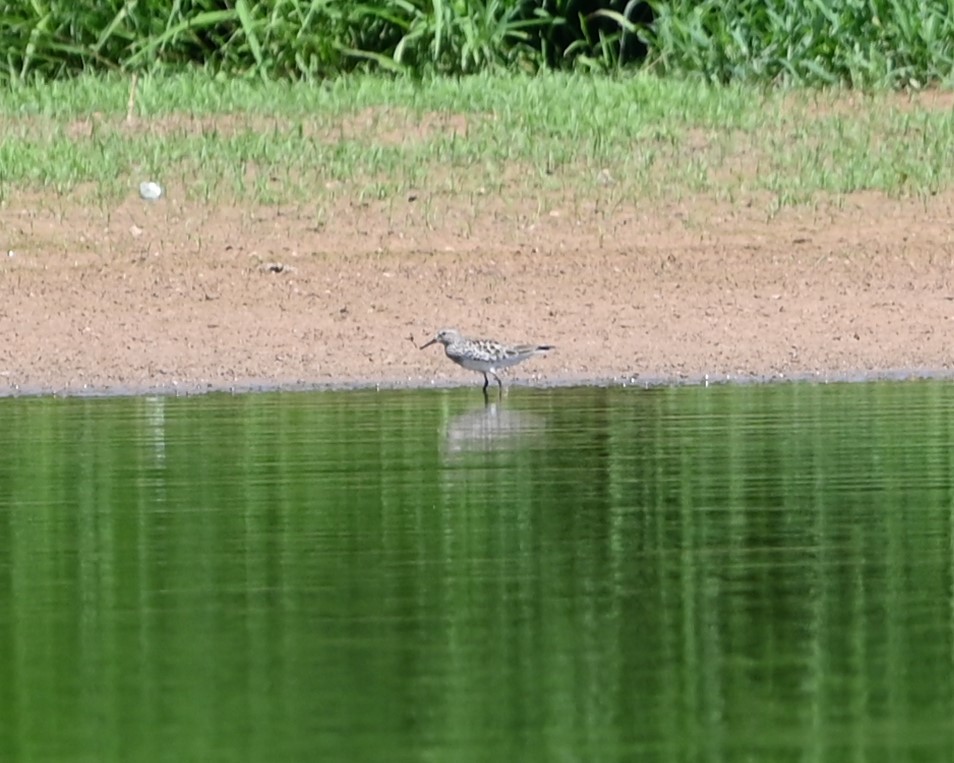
{"x": 736, "y": 573}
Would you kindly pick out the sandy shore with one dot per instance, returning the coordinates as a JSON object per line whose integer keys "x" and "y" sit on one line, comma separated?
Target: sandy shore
{"x": 172, "y": 297}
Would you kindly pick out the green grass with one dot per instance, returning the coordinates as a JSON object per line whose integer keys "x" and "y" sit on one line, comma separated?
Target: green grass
{"x": 861, "y": 43}
{"x": 267, "y": 39}
{"x": 546, "y": 138}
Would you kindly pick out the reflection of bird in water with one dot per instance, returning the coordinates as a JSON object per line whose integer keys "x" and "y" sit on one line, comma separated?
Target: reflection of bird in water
{"x": 484, "y": 355}
{"x": 490, "y": 428}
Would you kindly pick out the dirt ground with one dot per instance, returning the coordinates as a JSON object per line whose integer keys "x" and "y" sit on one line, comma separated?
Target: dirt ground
{"x": 170, "y": 296}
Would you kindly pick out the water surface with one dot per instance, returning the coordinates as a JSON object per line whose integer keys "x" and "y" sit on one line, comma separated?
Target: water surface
{"x": 731, "y": 573}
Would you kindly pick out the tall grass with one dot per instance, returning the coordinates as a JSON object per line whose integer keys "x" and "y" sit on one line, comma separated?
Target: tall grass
{"x": 863, "y": 43}
{"x": 272, "y": 38}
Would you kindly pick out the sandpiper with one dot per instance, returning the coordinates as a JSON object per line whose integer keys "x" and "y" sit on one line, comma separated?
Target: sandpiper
{"x": 484, "y": 355}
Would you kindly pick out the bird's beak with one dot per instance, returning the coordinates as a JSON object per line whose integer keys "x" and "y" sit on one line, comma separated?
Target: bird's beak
{"x": 428, "y": 344}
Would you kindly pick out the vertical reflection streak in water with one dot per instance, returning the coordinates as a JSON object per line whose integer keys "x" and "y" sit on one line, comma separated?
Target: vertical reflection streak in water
{"x": 152, "y": 504}
{"x": 263, "y": 506}
{"x": 693, "y": 677}
{"x": 588, "y": 553}
{"x": 800, "y": 490}
{"x": 822, "y": 598}
{"x": 89, "y": 558}
{"x": 947, "y": 509}
{"x": 626, "y": 548}
{"x": 890, "y": 532}
{"x": 946, "y": 457}
{"x": 459, "y": 532}
{"x": 665, "y": 603}
{"x": 711, "y": 480}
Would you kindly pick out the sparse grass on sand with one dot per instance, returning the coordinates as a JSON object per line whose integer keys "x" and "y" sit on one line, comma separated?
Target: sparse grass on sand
{"x": 613, "y": 139}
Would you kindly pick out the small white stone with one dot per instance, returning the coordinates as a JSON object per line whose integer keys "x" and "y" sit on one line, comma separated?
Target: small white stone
{"x": 150, "y": 191}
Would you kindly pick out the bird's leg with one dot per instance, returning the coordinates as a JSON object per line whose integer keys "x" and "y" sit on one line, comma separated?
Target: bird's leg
{"x": 486, "y": 398}
{"x": 499, "y": 383}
